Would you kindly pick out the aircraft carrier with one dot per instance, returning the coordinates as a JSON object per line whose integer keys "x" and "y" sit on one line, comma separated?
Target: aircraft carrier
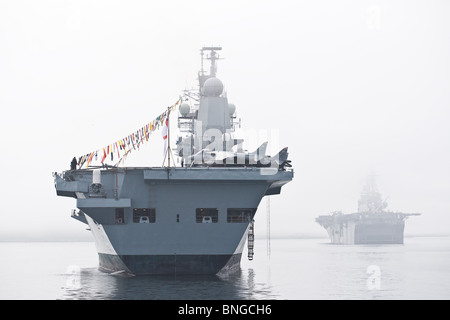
{"x": 188, "y": 219}
{"x": 371, "y": 224}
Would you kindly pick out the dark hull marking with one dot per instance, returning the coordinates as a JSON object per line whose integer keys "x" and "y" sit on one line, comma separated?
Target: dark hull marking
{"x": 169, "y": 264}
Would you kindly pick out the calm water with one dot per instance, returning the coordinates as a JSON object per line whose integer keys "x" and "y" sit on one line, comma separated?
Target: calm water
{"x": 296, "y": 269}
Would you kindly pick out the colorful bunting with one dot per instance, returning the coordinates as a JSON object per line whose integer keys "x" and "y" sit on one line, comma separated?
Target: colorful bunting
{"x": 125, "y": 145}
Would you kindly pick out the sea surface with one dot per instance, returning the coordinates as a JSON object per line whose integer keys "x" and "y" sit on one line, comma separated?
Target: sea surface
{"x": 288, "y": 269}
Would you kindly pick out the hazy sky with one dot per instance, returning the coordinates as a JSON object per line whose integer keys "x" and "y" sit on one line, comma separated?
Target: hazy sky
{"x": 349, "y": 86}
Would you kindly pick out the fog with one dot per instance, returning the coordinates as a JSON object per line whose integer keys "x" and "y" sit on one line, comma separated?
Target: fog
{"x": 351, "y": 87}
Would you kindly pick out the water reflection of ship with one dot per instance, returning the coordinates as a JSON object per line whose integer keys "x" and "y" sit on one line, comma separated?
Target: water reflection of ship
{"x": 372, "y": 224}
{"x": 95, "y": 285}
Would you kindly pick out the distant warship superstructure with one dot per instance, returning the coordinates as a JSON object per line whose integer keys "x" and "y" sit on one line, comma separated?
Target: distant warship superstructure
{"x": 193, "y": 219}
{"x": 372, "y": 224}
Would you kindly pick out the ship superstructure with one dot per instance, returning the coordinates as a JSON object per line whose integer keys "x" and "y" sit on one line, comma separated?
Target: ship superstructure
{"x": 371, "y": 224}
{"x": 188, "y": 219}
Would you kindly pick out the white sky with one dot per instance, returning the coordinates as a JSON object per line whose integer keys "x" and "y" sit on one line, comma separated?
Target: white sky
{"x": 348, "y": 86}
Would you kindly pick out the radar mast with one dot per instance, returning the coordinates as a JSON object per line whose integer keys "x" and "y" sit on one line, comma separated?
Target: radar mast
{"x": 212, "y": 56}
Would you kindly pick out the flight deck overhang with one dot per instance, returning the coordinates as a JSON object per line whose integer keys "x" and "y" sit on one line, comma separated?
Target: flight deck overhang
{"x": 68, "y": 188}
{"x": 224, "y": 174}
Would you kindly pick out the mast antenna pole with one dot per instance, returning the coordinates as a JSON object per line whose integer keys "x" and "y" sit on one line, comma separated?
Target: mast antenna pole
{"x": 168, "y": 150}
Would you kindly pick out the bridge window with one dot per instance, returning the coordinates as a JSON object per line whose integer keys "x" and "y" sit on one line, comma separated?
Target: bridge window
{"x": 144, "y": 215}
{"x": 235, "y": 215}
{"x": 207, "y": 215}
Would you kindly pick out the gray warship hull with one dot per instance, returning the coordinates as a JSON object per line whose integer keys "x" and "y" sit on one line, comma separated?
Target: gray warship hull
{"x": 360, "y": 228}
{"x": 154, "y": 221}
{"x": 193, "y": 219}
{"x": 372, "y": 224}
{"x": 379, "y": 232}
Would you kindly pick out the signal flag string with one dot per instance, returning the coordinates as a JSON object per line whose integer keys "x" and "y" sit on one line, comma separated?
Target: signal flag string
{"x": 123, "y": 147}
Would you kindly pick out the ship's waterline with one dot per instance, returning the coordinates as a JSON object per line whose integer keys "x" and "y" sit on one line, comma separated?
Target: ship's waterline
{"x": 150, "y": 261}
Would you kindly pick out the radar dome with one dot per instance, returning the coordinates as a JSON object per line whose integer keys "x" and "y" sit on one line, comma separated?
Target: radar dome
{"x": 184, "y": 109}
{"x": 231, "y": 109}
{"x": 212, "y": 87}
